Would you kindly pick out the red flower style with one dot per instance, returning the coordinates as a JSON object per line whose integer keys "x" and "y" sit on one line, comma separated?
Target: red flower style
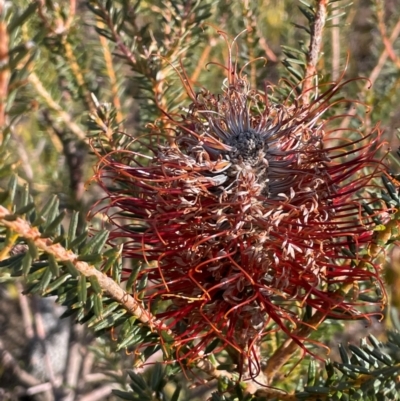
{"x": 256, "y": 207}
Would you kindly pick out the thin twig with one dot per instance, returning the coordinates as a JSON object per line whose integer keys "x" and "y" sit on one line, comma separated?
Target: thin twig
{"x": 314, "y": 49}
{"x": 53, "y": 105}
{"x": 97, "y": 377}
{"x": 373, "y": 76}
{"x": 202, "y": 60}
{"x": 26, "y": 313}
{"x": 281, "y": 356}
{"x": 100, "y": 393}
{"x": 74, "y": 363}
{"x": 385, "y": 53}
{"x": 41, "y": 336}
{"x": 8, "y": 363}
{"x": 87, "y": 365}
{"x": 40, "y": 388}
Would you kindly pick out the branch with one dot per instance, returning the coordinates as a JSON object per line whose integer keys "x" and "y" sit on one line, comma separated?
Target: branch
{"x": 23, "y": 229}
{"x": 289, "y": 347}
{"x": 314, "y": 49}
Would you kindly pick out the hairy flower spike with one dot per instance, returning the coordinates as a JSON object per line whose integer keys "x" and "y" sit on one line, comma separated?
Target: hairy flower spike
{"x": 254, "y": 211}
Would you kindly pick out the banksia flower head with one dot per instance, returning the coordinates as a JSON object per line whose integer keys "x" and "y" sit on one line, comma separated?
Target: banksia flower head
{"x": 251, "y": 212}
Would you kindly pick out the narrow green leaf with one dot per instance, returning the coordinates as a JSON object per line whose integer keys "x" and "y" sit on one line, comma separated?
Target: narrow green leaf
{"x": 392, "y": 190}
{"x": 374, "y": 341}
{"x": 142, "y": 285}
{"x": 137, "y": 383}
{"x": 73, "y": 225}
{"x": 110, "y": 261}
{"x": 312, "y": 371}
{"x": 78, "y": 241}
{"x": 210, "y": 347}
{"x": 157, "y": 376}
{"x": 307, "y": 13}
{"x": 109, "y": 321}
{"x": 35, "y": 276}
{"x": 71, "y": 268}
{"x": 49, "y": 206}
{"x": 52, "y": 213}
{"x": 25, "y": 209}
{"x": 53, "y": 227}
{"x": 176, "y": 393}
{"x": 96, "y": 243}
{"x": 32, "y": 249}
{"x": 295, "y": 61}
{"x": 80, "y": 314}
{"x": 45, "y": 279}
{"x": 82, "y": 289}
{"x": 226, "y": 366}
{"x": 53, "y": 265}
{"x": 91, "y": 258}
{"x": 106, "y": 311}
{"x": 6, "y": 263}
{"x": 316, "y": 390}
{"x": 383, "y": 357}
{"x": 57, "y": 283}
{"x": 124, "y": 395}
{"x": 293, "y": 71}
{"x": 20, "y": 19}
{"x": 358, "y": 369}
{"x": 133, "y": 276}
{"x": 133, "y": 338}
{"x": 12, "y": 188}
{"x": 343, "y": 354}
{"x": 98, "y": 305}
{"x": 95, "y": 285}
{"x": 116, "y": 270}
{"x": 26, "y": 263}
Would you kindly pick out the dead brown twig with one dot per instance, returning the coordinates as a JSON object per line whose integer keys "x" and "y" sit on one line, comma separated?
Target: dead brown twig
{"x": 8, "y": 362}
